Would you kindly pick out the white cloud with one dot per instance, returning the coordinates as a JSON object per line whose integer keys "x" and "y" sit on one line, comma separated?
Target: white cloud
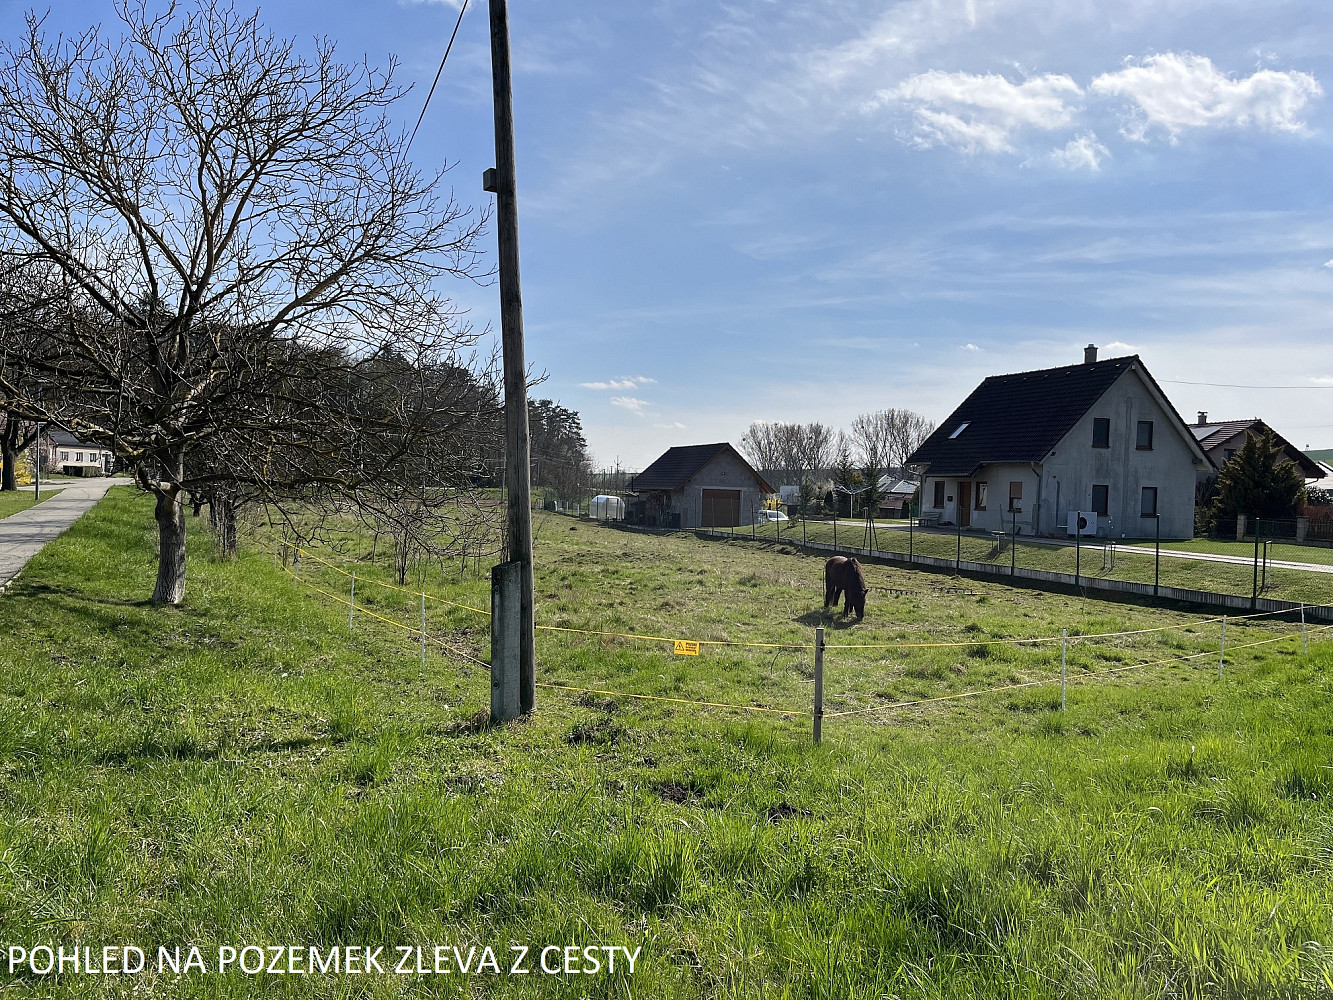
{"x": 1328, "y": 263}
{"x": 970, "y": 347}
{"x": 1179, "y": 91}
{"x": 981, "y": 113}
{"x": 677, "y": 426}
{"x": 1085, "y": 152}
{"x": 1119, "y": 345}
{"x": 635, "y": 406}
{"x": 620, "y": 384}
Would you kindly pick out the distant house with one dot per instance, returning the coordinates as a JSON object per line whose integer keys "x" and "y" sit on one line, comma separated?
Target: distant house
{"x": 1033, "y": 448}
{"x": 1221, "y": 439}
{"x": 697, "y": 486}
{"x": 895, "y": 496}
{"x": 64, "y": 453}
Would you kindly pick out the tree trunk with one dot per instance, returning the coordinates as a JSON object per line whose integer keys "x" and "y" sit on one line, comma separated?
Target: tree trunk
{"x": 9, "y": 456}
{"x": 170, "y": 516}
{"x": 222, "y": 511}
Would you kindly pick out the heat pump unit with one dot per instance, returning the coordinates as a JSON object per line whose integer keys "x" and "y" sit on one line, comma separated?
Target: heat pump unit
{"x": 1083, "y": 522}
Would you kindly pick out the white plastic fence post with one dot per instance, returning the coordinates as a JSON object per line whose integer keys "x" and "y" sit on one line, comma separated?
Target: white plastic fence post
{"x": 1222, "y": 653}
{"x": 351, "y": 605}
{"x": 819, "y": 684}
{"x": 423, "y": 629}
{"x": 1064, "y": 644}
{"x": 1305, "y": 637}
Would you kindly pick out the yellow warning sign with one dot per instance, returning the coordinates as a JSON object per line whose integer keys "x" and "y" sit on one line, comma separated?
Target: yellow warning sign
{"x": 687, "y": 647}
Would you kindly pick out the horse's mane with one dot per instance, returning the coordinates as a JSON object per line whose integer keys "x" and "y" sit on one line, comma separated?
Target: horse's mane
{"x": 856, "y": 568}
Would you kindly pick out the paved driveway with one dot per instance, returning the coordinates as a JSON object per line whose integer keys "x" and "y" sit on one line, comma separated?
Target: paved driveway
{"x": 22, "y": 535}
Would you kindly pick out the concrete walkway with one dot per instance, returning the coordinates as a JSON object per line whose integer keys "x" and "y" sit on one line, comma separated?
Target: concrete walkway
{"x": 22, "y": 535}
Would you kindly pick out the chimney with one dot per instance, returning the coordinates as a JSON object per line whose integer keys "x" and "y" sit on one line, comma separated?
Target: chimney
{"x": 1203, "y": 417}
{"x": 1090, "y": 354}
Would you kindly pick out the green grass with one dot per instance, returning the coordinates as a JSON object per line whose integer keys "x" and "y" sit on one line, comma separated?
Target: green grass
{"x": 1227, "y": 578}
{"x": 1245, "y": 550}
{"x": 245, "y": 769}
{"x": 13, "y": 501}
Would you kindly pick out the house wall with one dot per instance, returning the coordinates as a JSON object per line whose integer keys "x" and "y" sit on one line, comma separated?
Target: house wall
{"x": 724, "y": 472}
{"x": 1064, "y": 482}
{"x": 1074, "y": 466}
{"x": 996, "y": 515}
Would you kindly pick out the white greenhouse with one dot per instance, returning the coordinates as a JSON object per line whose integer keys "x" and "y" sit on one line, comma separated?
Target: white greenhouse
{"x": 607, "y": 508}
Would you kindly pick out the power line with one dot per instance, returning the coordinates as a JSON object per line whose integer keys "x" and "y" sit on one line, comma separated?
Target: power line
{"x": 1225, "y": 385}
{"x": 422, "y": 118}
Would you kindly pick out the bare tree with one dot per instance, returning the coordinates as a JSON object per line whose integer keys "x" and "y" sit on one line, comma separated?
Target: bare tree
{"x": 227, "y": 223}
{"x": 907, "y": 432}
{"x": 790, "y": 451}
{"x": 762, "y": 445}
{"x": 870, "y": 437}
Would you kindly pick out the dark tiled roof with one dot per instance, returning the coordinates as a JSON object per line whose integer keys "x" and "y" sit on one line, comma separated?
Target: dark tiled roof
{"x": 65, "y": 439}
{"x": 1213, "y": 433}
{"x": 674, "y": 469}
{"x": 1018, "y": 418}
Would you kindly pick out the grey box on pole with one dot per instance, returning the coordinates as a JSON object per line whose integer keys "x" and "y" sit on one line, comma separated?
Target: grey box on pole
{"x": 506, "y": 630}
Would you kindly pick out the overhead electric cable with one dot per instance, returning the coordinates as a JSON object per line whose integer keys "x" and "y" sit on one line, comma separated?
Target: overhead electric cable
{"x": 447, "y": 48}
{"x": 1227, "y": 385}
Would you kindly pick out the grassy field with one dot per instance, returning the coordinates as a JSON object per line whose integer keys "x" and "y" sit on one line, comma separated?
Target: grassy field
{"x": 1092, "y": 561}
{"x": 246, "y": 769}
{"x": 13, "y": 501}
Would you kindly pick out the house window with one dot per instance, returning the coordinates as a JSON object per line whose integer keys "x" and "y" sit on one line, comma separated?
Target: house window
{"x": 939, "y": 493}
{"x": 1015, "y": 495}
{"x": 1148, "y": 503}
{"x": 1101, "y": 432}
{"x": 64, "y": 456}
{"x": 961, "y": 427}
{"x": 981, "y": 496}
{"x": 78, "y": 456}
{"x": 1145, "y": 436}
{"x": 1229, "y": 454}
{"x": 1101, "y": 499}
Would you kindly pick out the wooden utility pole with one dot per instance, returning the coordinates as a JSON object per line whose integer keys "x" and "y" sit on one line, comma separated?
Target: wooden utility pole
{"x": 512, "y": 634}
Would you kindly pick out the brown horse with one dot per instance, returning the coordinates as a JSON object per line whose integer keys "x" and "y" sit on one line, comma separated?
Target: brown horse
{"x": 843, "y": 576}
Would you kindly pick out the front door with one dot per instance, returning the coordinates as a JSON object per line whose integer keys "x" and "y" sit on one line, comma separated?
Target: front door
{"x": 965, "y": 504}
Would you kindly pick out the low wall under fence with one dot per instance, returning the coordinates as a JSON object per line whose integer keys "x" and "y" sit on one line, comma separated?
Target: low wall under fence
{"x": 1084, "y": 583}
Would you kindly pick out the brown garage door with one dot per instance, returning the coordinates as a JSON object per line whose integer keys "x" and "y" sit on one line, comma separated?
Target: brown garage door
{"x": 722, "y": 508}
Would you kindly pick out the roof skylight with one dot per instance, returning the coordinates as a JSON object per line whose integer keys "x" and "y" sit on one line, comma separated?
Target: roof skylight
{"x": 961, "y": 427}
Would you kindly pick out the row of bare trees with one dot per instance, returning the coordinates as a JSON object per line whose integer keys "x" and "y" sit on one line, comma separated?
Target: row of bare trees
{"x": 219, "y": 262}
{"x": 881, "y": 440}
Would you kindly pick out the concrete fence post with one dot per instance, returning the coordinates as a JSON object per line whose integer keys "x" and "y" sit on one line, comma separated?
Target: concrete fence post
{"x": 819, "y": 684}
{"x": 506, "y": 582}
{"x": 1302, "y": 529}
{"x": 1240, "y": 527}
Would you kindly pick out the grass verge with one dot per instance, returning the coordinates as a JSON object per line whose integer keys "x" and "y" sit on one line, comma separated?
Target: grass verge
{"x": 248, "y": 769}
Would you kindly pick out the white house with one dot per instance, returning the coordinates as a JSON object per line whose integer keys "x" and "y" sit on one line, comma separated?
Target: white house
{"x": 64, "y": 453}
{"x": 1028, "y": 450}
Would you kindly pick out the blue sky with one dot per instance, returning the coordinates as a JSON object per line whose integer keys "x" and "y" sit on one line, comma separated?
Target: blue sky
{"x": 759, "y": 210}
